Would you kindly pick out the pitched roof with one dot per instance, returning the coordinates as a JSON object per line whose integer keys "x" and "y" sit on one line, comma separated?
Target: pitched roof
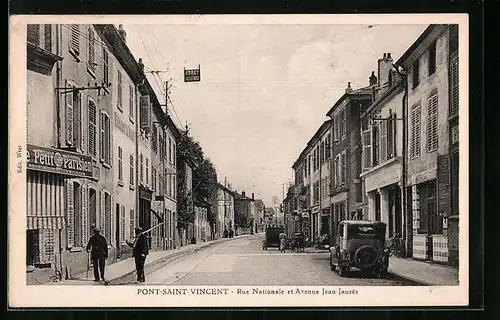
{"x": 358, "y": 92}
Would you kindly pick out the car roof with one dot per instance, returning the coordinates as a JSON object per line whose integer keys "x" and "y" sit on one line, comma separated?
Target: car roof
{"x": 362, "y": 222}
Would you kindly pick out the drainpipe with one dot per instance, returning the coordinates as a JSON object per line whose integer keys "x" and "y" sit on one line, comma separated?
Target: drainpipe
{"x": 407, "y": 216}
{"x": 58, "y": 129}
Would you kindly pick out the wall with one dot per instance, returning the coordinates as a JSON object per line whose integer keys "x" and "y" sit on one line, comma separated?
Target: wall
{"x": 41, "y": 109}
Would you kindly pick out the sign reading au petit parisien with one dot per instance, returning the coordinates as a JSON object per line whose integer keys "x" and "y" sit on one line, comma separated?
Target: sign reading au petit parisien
{"x": 59, "y": 161}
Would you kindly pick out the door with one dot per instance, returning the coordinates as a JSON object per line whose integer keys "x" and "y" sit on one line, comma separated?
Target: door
{"x": 32, "y": 254}
{"x": 432, "y": 220}
{"x": 398, "y": 228}
{"x": 117, "y": 229}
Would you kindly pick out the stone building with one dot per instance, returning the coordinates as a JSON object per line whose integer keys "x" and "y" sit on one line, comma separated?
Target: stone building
{"x": 225, "y": 201}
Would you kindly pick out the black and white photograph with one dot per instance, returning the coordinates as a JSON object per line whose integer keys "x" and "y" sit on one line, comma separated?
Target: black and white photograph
{"x": 241, "y": 160}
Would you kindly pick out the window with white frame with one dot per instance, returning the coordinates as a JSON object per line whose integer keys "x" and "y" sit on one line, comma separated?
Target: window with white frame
{"x": 119, "y": 88}
{"x": 432, "y": 123}
{"x": 120, "y": 165}
{"x": 415, "y": 132}
{"x": 132, "y": 171}
{"x": 105, "y": 135}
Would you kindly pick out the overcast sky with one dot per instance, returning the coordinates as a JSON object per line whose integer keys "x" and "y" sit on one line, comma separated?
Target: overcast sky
{"x": 265, "y": 89}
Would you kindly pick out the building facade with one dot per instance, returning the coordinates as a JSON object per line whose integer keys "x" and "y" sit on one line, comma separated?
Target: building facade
{"x": 431, "y": 67}
{"x": 225, "y": 202}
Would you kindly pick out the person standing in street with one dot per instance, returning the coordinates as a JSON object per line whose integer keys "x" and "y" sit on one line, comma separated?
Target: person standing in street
{"x": 98, "y": 248}
{"x": 140, "y": 250}
{"x": 282, "y": 237}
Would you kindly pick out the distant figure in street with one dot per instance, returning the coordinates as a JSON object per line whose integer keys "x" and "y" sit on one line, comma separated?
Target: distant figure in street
{"x": 282, "y": 237}
{"x": 231, "y": 233}
{"x": 98, "y": 248}
{"x": 225, "y": 234}
{"x": 139, "y": 251}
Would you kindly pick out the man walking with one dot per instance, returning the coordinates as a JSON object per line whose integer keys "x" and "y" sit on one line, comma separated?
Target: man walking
{"x": 139, "y": 251}
{"x": 98, "y": 247}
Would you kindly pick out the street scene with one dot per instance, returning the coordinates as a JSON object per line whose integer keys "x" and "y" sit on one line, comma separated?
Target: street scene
{"x": 272, "y": 154}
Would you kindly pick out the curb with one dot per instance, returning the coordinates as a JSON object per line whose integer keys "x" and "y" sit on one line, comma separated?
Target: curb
{"x": 412, "y": 279}
{"x": 153, "y": 265}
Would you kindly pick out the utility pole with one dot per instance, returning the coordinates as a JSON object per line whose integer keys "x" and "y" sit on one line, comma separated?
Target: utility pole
{"x": 166, "y": 97}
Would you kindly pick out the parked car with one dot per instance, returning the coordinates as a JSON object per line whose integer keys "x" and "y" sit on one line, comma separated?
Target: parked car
{"x": 272, "y": 239}
{"x": 360, "y": 244}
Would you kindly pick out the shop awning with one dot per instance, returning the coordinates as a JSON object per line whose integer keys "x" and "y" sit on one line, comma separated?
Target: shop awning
{"x": 52, "y": 223}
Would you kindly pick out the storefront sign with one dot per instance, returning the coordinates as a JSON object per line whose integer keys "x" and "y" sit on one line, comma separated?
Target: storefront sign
{"x": 145, "y": 194}
{"x": 59, "y": 161}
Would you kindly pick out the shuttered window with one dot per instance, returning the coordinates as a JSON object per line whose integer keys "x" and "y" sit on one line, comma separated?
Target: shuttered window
{"x": 122, "y": 224}
{"x": 343, "y": 126}
{"x": 131, "y": 103}
{"x": 154, "y": 139}
{"x": 74, "y": 42}
{"x": 454, "y": 85}
{"x": 432, "y": 58}
{"x": 34, "y": 34}
{"x": 105, "y": 137}
{"x": 105, "y": 66}
{"x": 145, "y": 113}
{"x": 69, "y": 117}
{"x": 91, "y": 59}
{"x": 415, "y": 73}
{"x": 375, "y": 144}
{"x": 132, "y": 172}
{"x": 92, "y": 129}
{"x": 383, "y": 141}
{"x": 432, "y": 123}
{"x": 367, "y": 149}
{"x": 119, "y": 88}
{"x": 390, "y": 137}
{"x": 120, "y": 164}
{"x": 132, "y": 222}
{"x": 415, "y": 132}
{"x": 336, "y": 127}
{"x": 343, "y": 167}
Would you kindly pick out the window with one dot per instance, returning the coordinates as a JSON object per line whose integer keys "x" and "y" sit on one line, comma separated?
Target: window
{"x": 105, "y": 66}
{"x": 367, "y": 149}
{"x": 375, "y": 145}
{"x": 119, "y": 88}
{"x": 383, "y": 141}
{"x": 77, "y": 215}
{"x": 336, "y": 127}
{"x": 120, "y": 165}
{"x": 328, "y": 146}
{"x": 91, "y": 59}
{"x": 92, "y": 128}
{"x": 122, "y": 224}
{"x": 454, "y": 84}
{"x": 432, "y": 123}
{"x": 132, "y": 222}
{"x": 169, "y": 182}
{"x": 169, "y": 150}
{"x": 432, "y": 58}
{"x": 132, "y": 173}
{"x": 105, "y": 133}
{"x": 141, "y": 172}
{"x": 154, "y": 137}
{"x": 161, "y": 190}
{"x": 107, "y": 217}
{"x": 34, "y": 34}
{"x": 73, "y": 118}
{"x": 74, "y": 41}
{"x": 92, "y": 207}
{"x": 147, "y": 171}
{"x": 309, "y": 164}
{"x": 415, "y": 74}
{"x": 153, "y": 179}
{"x": 337, "y": 169}
{"x": 174, "y": 195}
{"x": 343, "y": 167}
{"x": 391, "y": 153}
{"x": 415, "y": 132}
{"x": 131, "y": 103}
{"x": 161, "y": 147}
{"x": 343, "y": 123}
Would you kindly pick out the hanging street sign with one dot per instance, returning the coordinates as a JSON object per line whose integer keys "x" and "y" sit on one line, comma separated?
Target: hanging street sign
{"x": 192, "y": 75}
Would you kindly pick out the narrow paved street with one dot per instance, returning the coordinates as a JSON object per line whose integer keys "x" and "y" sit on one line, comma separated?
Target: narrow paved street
{"x": 243, "y": 262}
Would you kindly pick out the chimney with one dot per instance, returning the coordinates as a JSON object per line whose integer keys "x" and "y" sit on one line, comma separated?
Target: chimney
{"x": 141, "y": 65}
{"x": 384, "y": 66}
{"x": 122, "y": 33}
{"x": 373, "y": 79}
{"x": 243, "y": 193}
{"x": 348, "y": 89}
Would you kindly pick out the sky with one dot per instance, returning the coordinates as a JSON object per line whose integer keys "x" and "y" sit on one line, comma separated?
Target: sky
{"x": 264, "y": 90}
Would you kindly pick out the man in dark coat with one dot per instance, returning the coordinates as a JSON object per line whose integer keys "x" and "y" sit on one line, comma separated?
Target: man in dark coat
{"x": 139, "y": 251}
{"x": 98, "y": 247}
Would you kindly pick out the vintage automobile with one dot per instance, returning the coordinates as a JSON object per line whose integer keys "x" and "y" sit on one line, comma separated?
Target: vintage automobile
{"x": 360, "y": 244}
{"x": 272, "y": 239}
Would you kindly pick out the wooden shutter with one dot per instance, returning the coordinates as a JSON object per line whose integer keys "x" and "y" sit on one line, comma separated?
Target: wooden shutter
{"x": 122, "y": 224}
{"x": 367, "y": 149}
{"x": 79, "y": 121}
{"x": 91, "y": 59}
{"x": 92, "y": 120}
{"x": 75, "y": 38}
{"x": 102, "y": 213}
{"x": 131, "y": 102}
{"x": 120, "y": 91}
{"x": 390, "y": 137}
{"x": 443, "y": 185}
{"x": 343, "y": 168}
{"x": 454, "y": 84}
{"x": 70, "y": 212}
{"x": 109, "y": 141}
{"x": 145, "y": 113}
{"x": 102, "y": 136}
{"x": 415, "y": 132}
{"x": 120, "y": 163}
{"x": 105, "y": 66}
{"x": 344, "y": 122}
{"x": 432, "y": 123}
{"x": 69, "y": 116}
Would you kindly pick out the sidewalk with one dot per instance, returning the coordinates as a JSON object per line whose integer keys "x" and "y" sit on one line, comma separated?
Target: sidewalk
{"x": 123, "y": 272}
{"x": 423, "y": 272}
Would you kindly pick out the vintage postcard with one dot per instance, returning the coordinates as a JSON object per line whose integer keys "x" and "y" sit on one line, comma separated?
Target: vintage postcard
{"x": 238, "y": 160}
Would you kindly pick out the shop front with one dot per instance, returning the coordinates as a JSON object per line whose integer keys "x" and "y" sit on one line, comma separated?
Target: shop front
{"x": 145, "y": 200}
{"x": 48, "y": 174}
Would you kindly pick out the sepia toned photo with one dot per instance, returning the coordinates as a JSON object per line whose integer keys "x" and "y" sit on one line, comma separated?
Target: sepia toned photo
{"x": 238, "y": 161}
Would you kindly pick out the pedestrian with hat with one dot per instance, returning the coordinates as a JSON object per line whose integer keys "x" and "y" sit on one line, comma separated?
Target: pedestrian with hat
{"x": 140, "y": 250}
{"x": 98, "y": 248}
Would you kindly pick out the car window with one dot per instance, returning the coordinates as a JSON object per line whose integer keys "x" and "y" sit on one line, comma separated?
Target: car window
{"x": 366, "y": 230}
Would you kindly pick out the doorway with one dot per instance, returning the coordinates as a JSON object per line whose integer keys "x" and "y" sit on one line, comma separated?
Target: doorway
{"x": 32, "y": 247}
{"x": 117, "y": 231}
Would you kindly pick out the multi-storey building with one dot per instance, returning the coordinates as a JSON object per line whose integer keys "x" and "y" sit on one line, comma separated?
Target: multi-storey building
{"x": 244, "y": 212}
{"x": 259, "y": 215}
{"x": 431, "y": 68}
{"x": 346, "y": 191}
{"x": 225, "y": 201}
{"x": 383, "y": 149}
{"x": 185, "y": 203}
